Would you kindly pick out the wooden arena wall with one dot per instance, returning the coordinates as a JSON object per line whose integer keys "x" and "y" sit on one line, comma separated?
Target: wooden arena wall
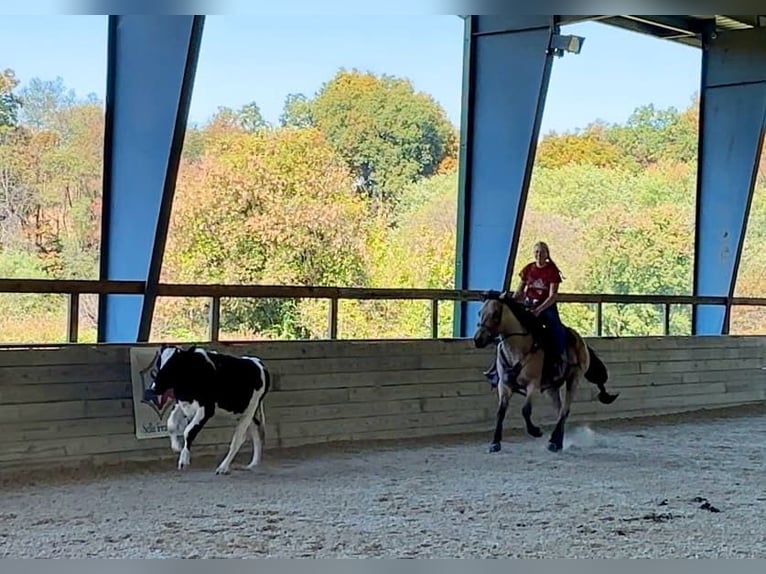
{"x": 73, "y": 404}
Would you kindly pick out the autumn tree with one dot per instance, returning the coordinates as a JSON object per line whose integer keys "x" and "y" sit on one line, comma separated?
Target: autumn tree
{"x": 63, "y": 147}
{"x": 50, "y": 187}
{"x": 76, "y": 207}
{"x": 266, "y": 208}
{"x": 247, "y": 118}
{"x": 645, "y": 251}
{"x": 42, "y": 99}
{"x": 262, "y": 204}
{"x": 615, "y": 230}
{"x": 9, "y": 101}
{"x": 653, "y": 135}
{"x": 387, "y": 133}
{"x": 418, "y": 251}
{"x": 194, "y": 144}
{"x": 297, "y": 112}
{"x": 251, "y": 119}
{"x": 589, "y": 148}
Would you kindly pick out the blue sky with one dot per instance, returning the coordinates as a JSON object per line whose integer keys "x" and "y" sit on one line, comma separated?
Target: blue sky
{"x": 263, "y": 58}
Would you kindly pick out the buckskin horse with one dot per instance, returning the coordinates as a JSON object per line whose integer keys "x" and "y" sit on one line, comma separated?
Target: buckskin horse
{"x": 525, "y": 344}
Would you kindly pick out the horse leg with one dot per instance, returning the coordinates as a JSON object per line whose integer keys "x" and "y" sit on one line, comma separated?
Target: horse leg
{"x": 556, "y": 441}
{"x": 526, "y": 411}
{"x": 504, "y": 396}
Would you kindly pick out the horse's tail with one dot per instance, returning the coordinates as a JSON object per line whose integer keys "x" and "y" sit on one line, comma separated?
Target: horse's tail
{"x": 598, "y": 375}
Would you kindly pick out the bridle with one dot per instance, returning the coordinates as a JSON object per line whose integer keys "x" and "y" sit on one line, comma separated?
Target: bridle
{"x": 493, "y": 329}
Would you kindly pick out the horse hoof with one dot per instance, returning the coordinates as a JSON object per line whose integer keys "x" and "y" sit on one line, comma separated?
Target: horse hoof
{"x": 534, "y": 432}
{"x": 553, "y": 447}
{"x": 494, "y": 447}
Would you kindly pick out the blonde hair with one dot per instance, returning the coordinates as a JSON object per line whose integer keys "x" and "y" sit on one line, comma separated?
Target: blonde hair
{"x": 544, "y": 245}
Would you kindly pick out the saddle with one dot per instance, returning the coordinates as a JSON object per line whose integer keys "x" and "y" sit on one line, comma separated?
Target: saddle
{"x": 550, "y": 364}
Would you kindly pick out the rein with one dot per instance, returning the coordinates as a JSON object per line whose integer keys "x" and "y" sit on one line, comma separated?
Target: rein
{"x": 502, "y": 337}
{"x": 505, "y": 336}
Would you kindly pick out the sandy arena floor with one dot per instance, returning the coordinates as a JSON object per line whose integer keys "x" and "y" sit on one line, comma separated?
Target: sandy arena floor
{"x": 694, "y": 488}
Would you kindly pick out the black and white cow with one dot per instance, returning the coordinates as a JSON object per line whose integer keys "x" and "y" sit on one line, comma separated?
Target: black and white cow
{"x": 201, "y": 380}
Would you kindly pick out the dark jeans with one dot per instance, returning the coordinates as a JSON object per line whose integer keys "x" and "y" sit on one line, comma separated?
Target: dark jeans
{"x": 551, "y": 316}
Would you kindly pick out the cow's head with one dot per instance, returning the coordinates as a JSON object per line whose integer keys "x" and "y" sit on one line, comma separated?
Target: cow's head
{"x": 165, "y": 363}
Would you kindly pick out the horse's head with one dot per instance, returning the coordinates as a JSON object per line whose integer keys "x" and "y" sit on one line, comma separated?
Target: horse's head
{"x": 493, "y": 316}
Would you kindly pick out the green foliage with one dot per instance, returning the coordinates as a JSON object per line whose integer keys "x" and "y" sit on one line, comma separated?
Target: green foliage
{"x": 417, "y": 251}
{"x": 21, "y": 265}
{"x": 248, "y": 118}
{"x": 9, "y": 101}
{"x": 651, "y": 135}
{"x": 41, "y": 100}
{"x": 647, "y": 251}
{"x": 257, "y": 204}
{"x": 297, "y": 112}
{"x": 388, "y": 134}
{"x": 590, "y": 148}
{"x": 613, "y": 228}
{"x": 269, "y": 208}
{"x": 594, "y": 260}
{"x": 194, "y": 144}
{"x": 752, "y": 270}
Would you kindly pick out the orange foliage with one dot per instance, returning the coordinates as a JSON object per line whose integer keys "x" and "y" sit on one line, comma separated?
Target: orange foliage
{"x": 451, "y": 155}
{"x": 272, "y": 207}
{"x": 560, "y": 150}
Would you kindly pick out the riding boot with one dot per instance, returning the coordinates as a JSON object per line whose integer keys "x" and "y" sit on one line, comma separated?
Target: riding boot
{"x": 554, "y": 368}
{"x": 492, "y": 376}
{"x": 510, "y": 375}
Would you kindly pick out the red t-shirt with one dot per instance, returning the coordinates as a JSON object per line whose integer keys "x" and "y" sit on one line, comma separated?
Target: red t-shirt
{"x": 538, "y": 280}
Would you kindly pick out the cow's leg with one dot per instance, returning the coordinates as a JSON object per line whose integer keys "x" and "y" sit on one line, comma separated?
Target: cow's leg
{"x": 240, "y": 431}
{"x": 257, "y": 431}
{"x": 256, "y": 434}
{"x": 175, "y": 425}
{"x": 201, "y": 416}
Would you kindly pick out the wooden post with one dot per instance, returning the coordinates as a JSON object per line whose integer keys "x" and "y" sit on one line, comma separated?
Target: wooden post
{"x": 434, "y": 318}
{"x": 73, "y": 317}
{"x": 333, "y": 319}
{"x": 214, "y": 319}
{"x": 599, "y": 320}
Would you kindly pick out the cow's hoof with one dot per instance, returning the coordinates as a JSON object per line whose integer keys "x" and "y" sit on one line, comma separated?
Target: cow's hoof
{"x": 184, "y": 459}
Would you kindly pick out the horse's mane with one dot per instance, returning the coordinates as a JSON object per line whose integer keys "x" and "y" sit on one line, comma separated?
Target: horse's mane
{"x": 528, "y": 320}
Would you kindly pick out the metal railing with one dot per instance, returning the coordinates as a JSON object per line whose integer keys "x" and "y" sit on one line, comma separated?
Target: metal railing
{"x": 214, "y": 293}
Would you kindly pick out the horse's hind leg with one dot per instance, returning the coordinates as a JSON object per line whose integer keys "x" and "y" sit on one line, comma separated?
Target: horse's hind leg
{"x": 504, "y": 396}
{"x": 556, "y": 441}
{"x": 526, "y": 411}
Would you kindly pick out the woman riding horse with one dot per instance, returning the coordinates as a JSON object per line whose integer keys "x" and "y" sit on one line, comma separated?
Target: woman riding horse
{"x": 538, "y": 289}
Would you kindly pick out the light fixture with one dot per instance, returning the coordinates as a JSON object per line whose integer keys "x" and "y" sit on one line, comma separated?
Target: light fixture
{"x": 568, "y": 43}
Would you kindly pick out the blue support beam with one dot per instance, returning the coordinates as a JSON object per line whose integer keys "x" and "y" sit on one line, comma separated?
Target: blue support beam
{"x": 151, "y": 66}
{"x": 506, "y": 69}
{"x": 732, "y": 114}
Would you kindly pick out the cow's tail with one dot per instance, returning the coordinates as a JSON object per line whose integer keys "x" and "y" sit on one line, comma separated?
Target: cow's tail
{"x": 262, "y": 412}
{"x": 266, "y": 388}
